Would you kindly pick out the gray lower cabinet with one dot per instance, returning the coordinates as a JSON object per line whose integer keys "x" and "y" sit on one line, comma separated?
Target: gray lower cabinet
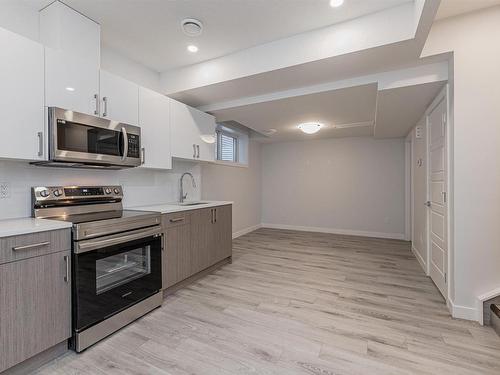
{"x": 195, "y": 240}
{"x": 177, "y": 252}
{"x": 223, "y": 233}
{"x": 35, "y": 303}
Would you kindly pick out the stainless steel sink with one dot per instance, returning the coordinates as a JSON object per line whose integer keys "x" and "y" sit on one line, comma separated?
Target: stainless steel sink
{"x": 189, "y": 203}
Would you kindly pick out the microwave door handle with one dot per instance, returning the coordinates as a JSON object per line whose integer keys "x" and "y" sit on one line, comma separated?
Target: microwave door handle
{"x": 125, "y": 143}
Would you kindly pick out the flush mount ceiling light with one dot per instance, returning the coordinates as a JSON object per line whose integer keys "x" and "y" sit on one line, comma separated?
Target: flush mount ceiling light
{"x": 192, "y": 48}
{"x": 336, "y": 3}
{"x": 310, "y": 127}
{"x": 192, "y": 27}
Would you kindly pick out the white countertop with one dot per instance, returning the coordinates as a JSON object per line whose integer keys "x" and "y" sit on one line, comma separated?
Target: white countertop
{"x": 166, "y": 208}
{"x": 14, "y": 227}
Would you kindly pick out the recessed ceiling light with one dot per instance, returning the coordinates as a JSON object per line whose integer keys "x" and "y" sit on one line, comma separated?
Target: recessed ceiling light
{"x": 70, "y": 88}
{"x": 310, "y": 127}
{"x": 192, "y": 48}
{"x": 336, "y": 3}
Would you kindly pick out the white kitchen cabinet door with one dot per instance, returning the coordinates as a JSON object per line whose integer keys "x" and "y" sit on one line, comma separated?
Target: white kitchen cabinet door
{"x": 119, "y": 99}
{"x": 192, "y": 133}
{"x": 154, "y": 120}
{"x": 21, "y": 98}
{"x": 72, "y": 59}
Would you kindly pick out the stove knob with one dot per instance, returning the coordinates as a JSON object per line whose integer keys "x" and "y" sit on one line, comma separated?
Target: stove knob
{"x": 58, "y": 192}
{"x": 107, "y": 191}
{"x": 44, "y": 193}
{"x": 117, "y": 191}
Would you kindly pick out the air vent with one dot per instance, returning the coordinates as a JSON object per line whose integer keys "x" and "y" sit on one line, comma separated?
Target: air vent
{"x": 192, "y": 27}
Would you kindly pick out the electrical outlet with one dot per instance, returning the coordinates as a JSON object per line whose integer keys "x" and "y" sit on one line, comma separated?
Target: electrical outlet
{"x": 4, "y": 190}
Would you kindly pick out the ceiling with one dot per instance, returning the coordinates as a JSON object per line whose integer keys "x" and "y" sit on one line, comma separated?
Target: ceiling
{"x": 149, "y": 31}
{"x": 394, "y": 111}
{"x": 398, "y": 110}
{"x": 450, "y": 8}
{"x": 336, "y": 107}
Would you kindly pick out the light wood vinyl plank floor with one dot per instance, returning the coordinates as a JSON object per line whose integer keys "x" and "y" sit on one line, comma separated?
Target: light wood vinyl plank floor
{"x": 299, "y": 303}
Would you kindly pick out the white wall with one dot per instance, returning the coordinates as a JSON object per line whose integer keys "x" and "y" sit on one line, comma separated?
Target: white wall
{"x": 113, "y": 62}
{"x": 242, "y": 185}
{"x": 350, "y": 185}
{"x": 141, "y": 186}
{"x": 419, "y": 194}
{"x": 473, "y": 38}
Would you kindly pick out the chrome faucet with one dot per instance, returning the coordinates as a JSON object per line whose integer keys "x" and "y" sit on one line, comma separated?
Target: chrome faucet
{"x": 182, "y": 195}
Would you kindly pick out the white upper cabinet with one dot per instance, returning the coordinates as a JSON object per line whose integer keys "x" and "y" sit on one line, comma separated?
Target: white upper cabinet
{"x": 192, "y": 132}
{"x": 21, "y": 98}
{"x": 72, "y": 59}
{"x": 119, "y": 99}
{"x": 154, "y": 120}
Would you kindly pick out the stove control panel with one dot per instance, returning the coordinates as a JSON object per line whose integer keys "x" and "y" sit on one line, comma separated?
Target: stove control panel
{"x": 76, "y": 193}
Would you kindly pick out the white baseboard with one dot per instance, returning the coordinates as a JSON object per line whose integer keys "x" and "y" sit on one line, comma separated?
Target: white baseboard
{"x": 246, "y": 230}
{"x": 462, "y": 312}
{"x": 419, "y": 258}
{"x": 395, "y": 236}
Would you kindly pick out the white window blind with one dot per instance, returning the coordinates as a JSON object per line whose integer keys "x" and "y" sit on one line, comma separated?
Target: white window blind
{"x": 227, "y": 146}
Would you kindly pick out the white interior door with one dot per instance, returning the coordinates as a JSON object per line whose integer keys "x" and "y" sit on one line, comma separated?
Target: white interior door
{"x": 438, "y": 192}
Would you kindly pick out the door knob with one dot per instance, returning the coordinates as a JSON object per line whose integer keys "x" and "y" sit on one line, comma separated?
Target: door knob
{"x": 428, "y": 203}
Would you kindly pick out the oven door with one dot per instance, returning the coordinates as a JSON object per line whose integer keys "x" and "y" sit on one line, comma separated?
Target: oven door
{"x": 115, "y": 275}
{"x": 80, "y": 138}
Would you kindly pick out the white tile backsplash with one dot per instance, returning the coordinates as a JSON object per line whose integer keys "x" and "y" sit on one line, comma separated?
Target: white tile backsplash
{"x": 140, "y": 186}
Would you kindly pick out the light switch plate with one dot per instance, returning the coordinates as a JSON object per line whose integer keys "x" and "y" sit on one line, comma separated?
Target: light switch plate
{"x": 4, "y": 190}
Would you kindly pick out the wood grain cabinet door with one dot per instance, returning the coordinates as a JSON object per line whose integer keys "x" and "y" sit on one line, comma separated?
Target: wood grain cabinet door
{"x": 222, "y": 246}
{"x": 35, "y": 306}
{"x": 177, "y": 255}
{"x": 202, "y": 239}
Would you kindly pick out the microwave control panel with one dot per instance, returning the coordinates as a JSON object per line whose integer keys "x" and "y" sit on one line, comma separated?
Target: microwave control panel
{"x": 134, "y": 146}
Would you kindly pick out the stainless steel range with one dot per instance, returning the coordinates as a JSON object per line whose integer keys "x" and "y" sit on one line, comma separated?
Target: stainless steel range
{"x": 116, "y": 258}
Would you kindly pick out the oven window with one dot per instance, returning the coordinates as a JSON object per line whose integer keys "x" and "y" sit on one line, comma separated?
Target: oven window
{"x": 72, "y": 136}
{"x": 122, "y": 268}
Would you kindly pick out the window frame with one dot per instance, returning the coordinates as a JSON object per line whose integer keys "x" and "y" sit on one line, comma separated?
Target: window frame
{"x": 220, "y": 133}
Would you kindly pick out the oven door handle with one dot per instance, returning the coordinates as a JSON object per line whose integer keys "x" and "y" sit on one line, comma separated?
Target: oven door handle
{"x": 116, "y": 239}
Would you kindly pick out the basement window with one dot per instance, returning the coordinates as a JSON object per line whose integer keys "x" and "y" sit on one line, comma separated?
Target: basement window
{"x": 227, "y": 146}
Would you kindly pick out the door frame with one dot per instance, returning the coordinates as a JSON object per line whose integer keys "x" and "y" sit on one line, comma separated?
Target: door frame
{"x": 444, "y": 94}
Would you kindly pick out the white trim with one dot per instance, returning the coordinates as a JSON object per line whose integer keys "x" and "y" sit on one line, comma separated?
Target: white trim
{"x": 419, "y": 258}
{"x": 408, "y": 189}
{"x": 462, "y": 312}
{"x": 246, "y": 230}
{"x": 230, "y": 164}
{"x": 480, "y": 302}
{"x": 395, "y": 236}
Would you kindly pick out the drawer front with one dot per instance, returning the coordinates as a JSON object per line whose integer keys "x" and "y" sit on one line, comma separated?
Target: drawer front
{"x": 35, "y": 244}
{"x": 175, "y": 219}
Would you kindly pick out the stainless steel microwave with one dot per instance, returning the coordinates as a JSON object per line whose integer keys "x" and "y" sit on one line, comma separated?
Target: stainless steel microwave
{"x": 80, "y": 140}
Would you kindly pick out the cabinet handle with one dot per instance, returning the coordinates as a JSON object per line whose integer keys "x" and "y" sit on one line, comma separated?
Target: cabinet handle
{"x": 105, "y": 101}
{"x": 40, "y": 143}
{"x": 143, "y": 161}
{"x": 66, "y": 276}
{"x": 194, "y": 151}
{"x": 177, "y": 220}
{"x": 215, "y": 215}
{"x": 162, "y": 241}
{"x": 96, "y": 97}
{"x": 198, "y": 148}
{"x": 27, "y": 247}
